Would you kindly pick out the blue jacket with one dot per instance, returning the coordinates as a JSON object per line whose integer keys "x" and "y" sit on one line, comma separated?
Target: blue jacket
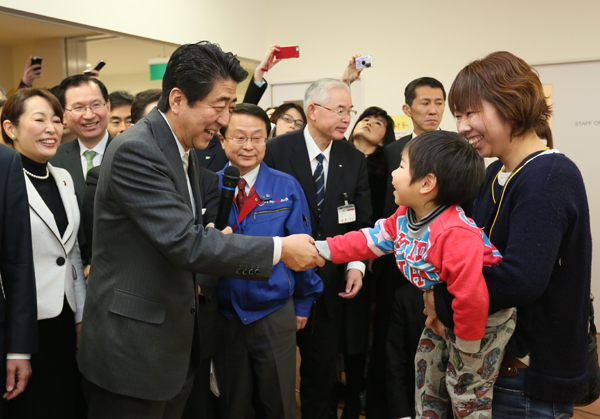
{"x": 276, "y": 206}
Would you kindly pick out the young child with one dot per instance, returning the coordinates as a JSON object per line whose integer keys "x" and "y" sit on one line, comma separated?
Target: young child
{"x": 434, "y": 241}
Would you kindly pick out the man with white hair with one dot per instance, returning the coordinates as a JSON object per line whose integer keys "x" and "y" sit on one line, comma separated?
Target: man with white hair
{"x": 333, "y": 175}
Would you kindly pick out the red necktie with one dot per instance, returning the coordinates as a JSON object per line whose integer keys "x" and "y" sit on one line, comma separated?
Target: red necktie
{"x": 241, "y": 196}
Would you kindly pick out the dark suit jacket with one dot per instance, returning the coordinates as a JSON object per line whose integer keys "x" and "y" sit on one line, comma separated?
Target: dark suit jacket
{"x": 18, "y": 308}
{"x": 142, "y": 301}
{"x": 393, "y": 154}
{"x": 254, "y": 93}
{"x": 347, "y": 174}
{"x": 67, "y": 156}
{"x": 406, "y": 325}
{"x": 213, "y": 157}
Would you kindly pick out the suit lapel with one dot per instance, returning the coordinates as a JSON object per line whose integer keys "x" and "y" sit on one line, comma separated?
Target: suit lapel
{"x": 166, "y": 141}
{"x": 37, "y": 204}
{"x": 301, "y": 164}
{"x": 72, "y": 164}
{"x": 61, "y": 184}
{"x": 195, "y": 182}
{"x": 335, "y": 175}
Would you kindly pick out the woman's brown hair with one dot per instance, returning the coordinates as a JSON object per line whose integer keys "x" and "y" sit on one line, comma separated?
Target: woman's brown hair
{"x": 15, "y": 106}
{"x": 508, "y": 83}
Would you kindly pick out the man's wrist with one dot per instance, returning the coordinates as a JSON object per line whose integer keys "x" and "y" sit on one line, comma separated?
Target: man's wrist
{"x": 18, "y": 356}
{"x": 357, "y": 265}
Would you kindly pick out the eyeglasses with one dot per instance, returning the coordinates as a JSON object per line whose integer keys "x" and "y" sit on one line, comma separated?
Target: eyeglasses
{"x": 243, "y": 140}
{"x": 95, "y": 108}
{"x": 298, "y": 123}
{"x": 339, "y": 112}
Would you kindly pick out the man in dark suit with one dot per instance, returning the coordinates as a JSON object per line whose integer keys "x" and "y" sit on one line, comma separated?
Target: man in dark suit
{"x": 213, "y": 156}
{"x": 87, "y": 109}
{"x": 334, "y": 178}
{"x": 18, "y": 308}
{"x": 424, "y": 103}
{"x": 140, "y": 341}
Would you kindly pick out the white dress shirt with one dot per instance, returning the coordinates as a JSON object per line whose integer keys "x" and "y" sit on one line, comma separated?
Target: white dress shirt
{"x": 313, "y": 151}
{"x": 100, "y": 148}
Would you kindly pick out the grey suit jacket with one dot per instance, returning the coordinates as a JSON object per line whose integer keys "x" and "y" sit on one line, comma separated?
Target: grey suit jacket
{"x": 142, "y": 301}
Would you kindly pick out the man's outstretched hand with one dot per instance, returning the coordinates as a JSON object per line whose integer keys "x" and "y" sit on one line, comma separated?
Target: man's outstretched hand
{"x": 299, "y": 253}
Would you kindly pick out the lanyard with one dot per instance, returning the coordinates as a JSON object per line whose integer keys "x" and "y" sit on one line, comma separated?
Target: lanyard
{"x": 519, "y": 167}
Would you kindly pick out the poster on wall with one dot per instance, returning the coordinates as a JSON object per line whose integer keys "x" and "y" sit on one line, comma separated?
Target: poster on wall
{"x": 575, "y": 88}
{"x": 402, "y": 126}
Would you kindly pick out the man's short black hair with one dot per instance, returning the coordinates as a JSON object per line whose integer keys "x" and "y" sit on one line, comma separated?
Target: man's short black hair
{"x": 410, "y": 92}
{"x": 141, "y": 100}
{"x": 458, "y": 167}
{"x": 76, "y": 81}
{"x": 252, "y": 110}
{"x": 194, "y": 69}
{"x": 120, "y": 98}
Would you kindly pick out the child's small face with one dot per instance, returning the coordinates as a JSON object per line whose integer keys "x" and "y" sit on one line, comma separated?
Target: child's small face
{"x": 405, "y": 193}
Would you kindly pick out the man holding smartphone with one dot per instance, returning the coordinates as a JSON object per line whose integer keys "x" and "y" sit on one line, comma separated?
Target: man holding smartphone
{"x": 33, "y": 70}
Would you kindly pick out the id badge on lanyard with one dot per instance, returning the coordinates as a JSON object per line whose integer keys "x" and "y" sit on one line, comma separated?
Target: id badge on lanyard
{"x": 346, "y": 212}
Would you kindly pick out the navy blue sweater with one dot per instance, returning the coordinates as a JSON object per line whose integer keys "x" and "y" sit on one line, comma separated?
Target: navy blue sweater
{"x": 543, "y": 233}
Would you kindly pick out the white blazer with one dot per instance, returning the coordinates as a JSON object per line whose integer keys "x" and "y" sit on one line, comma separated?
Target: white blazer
{"x": 57, "y": 261}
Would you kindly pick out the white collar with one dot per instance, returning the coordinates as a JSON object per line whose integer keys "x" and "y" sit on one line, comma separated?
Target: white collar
{"x": 313, "y": 148}
{"x": 251, "y": 176}
{"x": 182, "y": 151}
{"x": 99, "y": 148}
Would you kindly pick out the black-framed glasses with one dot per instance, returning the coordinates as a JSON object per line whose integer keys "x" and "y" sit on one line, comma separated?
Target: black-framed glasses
{"x": 298, "y": 123}
{"x": 339, "y": 112}
{"x": 95, "y": 108}
{"x": 243, "y": 140}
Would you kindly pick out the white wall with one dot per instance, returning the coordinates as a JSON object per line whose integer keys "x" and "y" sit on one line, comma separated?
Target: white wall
{"x": 410, "y": 39}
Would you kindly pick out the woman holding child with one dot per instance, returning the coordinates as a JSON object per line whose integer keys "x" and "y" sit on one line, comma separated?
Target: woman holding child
{"x": 533, "y": 207}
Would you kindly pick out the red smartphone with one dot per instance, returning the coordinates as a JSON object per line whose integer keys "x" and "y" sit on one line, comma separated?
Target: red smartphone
{"x": 288, "y": 52}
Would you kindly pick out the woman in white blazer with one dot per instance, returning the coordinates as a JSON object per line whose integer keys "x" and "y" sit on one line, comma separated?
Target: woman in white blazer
{"x": 32, "y": 124}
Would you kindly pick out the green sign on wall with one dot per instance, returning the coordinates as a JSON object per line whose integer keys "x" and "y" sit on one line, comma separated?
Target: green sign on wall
{"x": 157, "y": 68}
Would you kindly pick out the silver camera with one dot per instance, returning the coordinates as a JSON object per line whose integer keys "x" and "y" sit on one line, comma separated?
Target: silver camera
{"x": 364, "y": 62}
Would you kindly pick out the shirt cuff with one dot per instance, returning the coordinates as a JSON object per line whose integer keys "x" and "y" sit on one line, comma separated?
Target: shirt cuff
{"x": 323, "y": 249}
{"x": 18, "y": 356}
{"x": 357, "y": 265}
{"x": 259, "y": 83}
{"x": 276, "y": 250}
{"x": 468, "y": 346}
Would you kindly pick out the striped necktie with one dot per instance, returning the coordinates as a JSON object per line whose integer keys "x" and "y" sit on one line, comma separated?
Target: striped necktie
{"x": 319, "y": 183}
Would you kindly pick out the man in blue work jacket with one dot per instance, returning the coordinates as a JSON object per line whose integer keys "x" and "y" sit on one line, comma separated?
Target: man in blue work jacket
{"x": 256, "y": 349}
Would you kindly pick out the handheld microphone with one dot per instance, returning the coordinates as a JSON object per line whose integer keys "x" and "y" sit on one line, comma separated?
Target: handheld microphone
{"x": 231, "y": 176}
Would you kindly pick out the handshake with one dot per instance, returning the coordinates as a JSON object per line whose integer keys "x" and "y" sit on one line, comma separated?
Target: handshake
{"x": 299, "y": 253}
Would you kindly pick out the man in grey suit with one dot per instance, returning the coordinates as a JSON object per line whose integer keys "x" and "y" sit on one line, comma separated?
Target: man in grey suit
{"x": 139, "y": 342}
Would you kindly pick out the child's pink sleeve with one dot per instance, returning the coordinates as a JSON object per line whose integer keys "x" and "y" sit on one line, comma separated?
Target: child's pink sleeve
{"x": 367, "y": 243}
